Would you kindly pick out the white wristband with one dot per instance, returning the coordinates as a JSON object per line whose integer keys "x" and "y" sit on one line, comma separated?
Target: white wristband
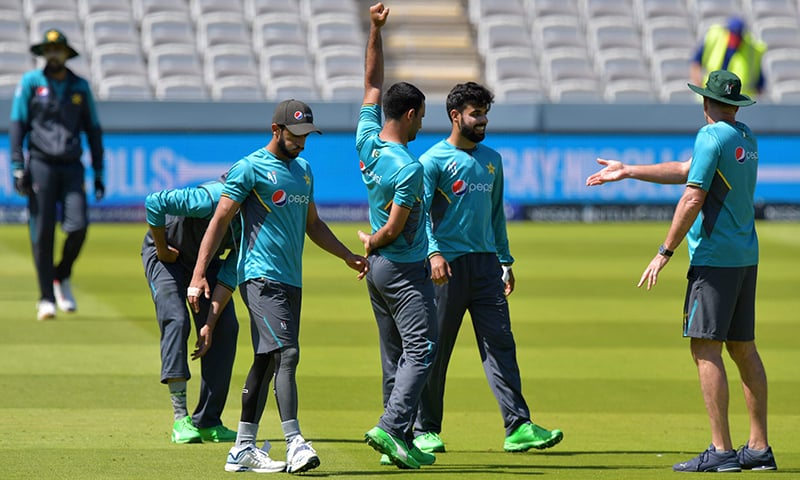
{"x": 506, "y": 273}
{"x": 193, "y": 292}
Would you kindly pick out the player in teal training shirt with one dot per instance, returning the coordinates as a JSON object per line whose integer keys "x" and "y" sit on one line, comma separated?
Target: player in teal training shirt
{"x": 273, "y": 191}
{"x": 398, "y": 280}
{"x": 177, "y": 220}
{"x": 467, "y": 243}
{"x": 717, "y": 216}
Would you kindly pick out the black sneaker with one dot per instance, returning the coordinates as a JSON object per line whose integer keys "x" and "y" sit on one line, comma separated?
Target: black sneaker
{"x": 750, "y": 459}
{"x": 711, "y": 461}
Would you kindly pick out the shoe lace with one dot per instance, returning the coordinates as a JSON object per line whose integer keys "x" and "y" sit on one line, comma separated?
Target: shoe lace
{"x": 261, "y": 456}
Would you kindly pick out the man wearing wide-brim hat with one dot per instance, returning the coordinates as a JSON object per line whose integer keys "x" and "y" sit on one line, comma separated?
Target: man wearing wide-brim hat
{"x": 53, "y": 40}
{"x": 52, "y": 106}
{"x": 716, "y": 214}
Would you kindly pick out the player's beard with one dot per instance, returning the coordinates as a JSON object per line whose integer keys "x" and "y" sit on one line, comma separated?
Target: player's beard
{"x": 285, "y": 151}
{"x": 470, "y": 134}
{"x": 55, "y": 65}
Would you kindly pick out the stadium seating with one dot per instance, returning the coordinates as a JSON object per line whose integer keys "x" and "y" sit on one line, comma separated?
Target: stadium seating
{"x": 524, "y": 50}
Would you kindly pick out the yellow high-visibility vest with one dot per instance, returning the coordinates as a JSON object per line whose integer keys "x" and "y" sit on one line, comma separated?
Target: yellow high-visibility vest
{"x": 745, "y": 62}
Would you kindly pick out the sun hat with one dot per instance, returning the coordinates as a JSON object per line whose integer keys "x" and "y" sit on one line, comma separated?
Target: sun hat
{"x": 53, "y": 37}
{"x": 296, "y": 116}
{"x": 724, "y": 86}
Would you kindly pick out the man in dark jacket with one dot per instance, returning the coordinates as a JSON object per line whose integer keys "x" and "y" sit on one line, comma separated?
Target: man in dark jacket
{"x": 51, "y": 107}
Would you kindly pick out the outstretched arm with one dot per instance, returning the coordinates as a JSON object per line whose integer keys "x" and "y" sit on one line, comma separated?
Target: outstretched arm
{"x": 666, "y": 173}
{"x": 373, "y": 62}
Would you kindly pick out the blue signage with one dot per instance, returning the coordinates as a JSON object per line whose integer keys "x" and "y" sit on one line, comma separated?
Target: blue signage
{"x": 539, "y": 169}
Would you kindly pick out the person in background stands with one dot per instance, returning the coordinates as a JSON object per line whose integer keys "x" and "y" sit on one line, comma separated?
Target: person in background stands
{"x": 730, "y": 47}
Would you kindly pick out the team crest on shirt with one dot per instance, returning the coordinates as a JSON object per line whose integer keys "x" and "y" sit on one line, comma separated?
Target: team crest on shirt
{"x": 77, "y": 99}
{"x": 490, "y": 168}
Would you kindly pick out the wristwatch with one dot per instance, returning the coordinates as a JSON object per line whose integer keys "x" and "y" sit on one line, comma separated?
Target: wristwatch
{"x": 662, "y": 250}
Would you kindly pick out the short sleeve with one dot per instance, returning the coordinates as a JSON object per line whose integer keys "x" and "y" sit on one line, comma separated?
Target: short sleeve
{"x": 240, "y": 181}
{"x": 705, "y": 157}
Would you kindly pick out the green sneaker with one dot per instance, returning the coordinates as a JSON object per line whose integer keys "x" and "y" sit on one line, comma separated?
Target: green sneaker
{"x": 217, "y": 434}
{"x": 529, "y": 435}
{"x": 429, "y": 443}
{"x": 423, "y": 458}
{"x": 391, "y": 446}
{"x": 184, "y": 431}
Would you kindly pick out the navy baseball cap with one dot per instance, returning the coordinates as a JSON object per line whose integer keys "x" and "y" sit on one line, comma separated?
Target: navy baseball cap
{"x": 296, "y": 116}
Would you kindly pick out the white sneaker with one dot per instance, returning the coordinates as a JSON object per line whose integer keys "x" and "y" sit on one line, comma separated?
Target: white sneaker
{"x": 300, "y": 456}
{"x": 248, "y": 458}
{"x": 64, "y": 298}
{"x": 45, "y": 310}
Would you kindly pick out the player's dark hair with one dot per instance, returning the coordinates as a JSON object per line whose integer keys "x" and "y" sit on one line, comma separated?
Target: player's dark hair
{"x": 400, "y": 98}
{"x": 469, "y": 93}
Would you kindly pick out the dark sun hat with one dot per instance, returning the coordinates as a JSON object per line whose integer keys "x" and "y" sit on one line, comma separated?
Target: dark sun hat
{"x": 724, "y": 86}
{"x": 53, "y": 37}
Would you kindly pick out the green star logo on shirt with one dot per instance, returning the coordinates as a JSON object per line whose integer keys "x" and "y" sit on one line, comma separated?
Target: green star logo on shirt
{"x": 490, "y": 167}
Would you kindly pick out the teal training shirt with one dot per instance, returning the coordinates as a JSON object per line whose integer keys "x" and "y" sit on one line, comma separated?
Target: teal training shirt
{"x": 179, "y": 211}
{"x": 392, "y": 176}
{"x": 274, "y": 197}
{"x": 724, "y": 164}
{"x": 464, "y": 189}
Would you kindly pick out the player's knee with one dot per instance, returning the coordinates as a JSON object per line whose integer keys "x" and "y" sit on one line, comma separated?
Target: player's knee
{"x": 290, "y": 357}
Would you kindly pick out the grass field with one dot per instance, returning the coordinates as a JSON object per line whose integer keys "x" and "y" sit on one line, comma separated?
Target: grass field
{"x": 603, "y": 361}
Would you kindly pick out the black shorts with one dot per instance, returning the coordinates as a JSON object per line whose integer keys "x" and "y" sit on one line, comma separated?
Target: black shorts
{"x": 274, "y": 314}
{"x": 720, "y": 303}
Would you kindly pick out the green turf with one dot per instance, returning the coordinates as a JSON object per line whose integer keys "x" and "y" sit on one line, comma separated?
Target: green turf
{"x": 603, "y": 361}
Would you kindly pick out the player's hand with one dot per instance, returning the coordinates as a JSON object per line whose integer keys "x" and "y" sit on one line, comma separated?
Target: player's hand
{"x": 357, "y": 263}
{"x": 203, "y": 342}
{"x": 22, "y": 182}
{"x": 612, "y": 172}
{"x": 170, "y": 255}
{"x": 99, "y": 189}
{"x": 198, "y": 286}
{"x": 508, "y": 280}
{"x": 440, "y": 270}
{"x": 365, "y": 239}
{"x": 650, "y": 275}
{"x": 378, "y": 14}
